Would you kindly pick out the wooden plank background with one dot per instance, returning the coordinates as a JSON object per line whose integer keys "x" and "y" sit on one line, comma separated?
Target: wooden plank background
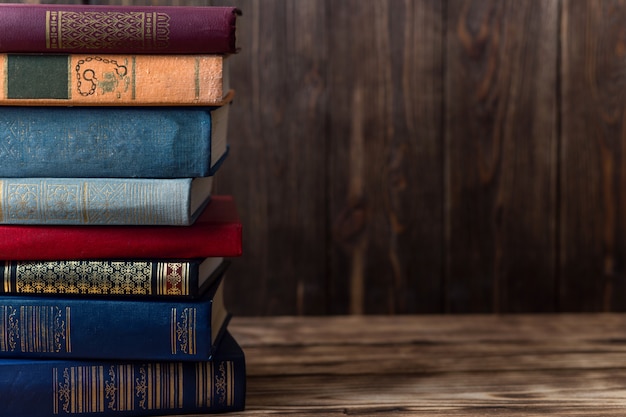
{"x": 427, "y": 156}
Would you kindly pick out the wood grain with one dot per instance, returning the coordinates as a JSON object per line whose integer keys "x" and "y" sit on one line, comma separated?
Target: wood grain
{"x": 468, "y": 365}
{"x": 277, "y": 167}
{"x": 593, "y": 191}
{"x": 501, "y": 156}
{"x": 385, "y": 156}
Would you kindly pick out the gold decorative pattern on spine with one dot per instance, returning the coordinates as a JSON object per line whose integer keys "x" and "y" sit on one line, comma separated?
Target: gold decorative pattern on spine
{"x": 35, "y": 329}
{"x": 183, "y": 331}
{"x": 83, "y": 277}
{"x": 95, "y": 30}
{"x": 211, "y": 379}
{"x": 172, "y": 278}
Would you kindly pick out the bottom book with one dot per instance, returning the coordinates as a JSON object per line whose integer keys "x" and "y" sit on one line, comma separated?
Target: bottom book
{"x": 48, "y": 388}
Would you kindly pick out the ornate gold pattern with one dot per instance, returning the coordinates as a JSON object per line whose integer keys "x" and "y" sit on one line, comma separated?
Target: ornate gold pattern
{"x": 84, "y": 277}
{"x": 95, "y": 389}
{"x": 173, "y": 278}
{"x": 71, "y": 30}
{"x": 183, "y": 331}
{"x": 213, "y": 378}
{"x": 35, "y": 329}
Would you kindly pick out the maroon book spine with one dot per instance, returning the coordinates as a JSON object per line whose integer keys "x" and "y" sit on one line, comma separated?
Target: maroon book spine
{"x": 216, "y": 233}
{"x": 47, "y": 28}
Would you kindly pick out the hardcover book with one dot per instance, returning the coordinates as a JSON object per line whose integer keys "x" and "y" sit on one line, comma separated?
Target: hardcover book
{"x": 217, "y": 232}
{"x": 103, "y": 201}
{"x": 159, "y": 278}
{"x": 106, "y": 328}
{"x": 52, "y": 388}
{"x": 113, "y": 80}
{"x": 105, "y": 142}
{"x": 117, "y": 29}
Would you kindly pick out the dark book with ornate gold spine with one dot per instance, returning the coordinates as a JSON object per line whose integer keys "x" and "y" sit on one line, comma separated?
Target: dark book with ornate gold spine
{"x": 69, "y": 327}
{"x": 52, "y": 388}
{"x": 133, "y": 278}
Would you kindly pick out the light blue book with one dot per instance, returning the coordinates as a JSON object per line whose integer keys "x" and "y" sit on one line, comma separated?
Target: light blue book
{"x": 103, "y": 201}
{"x": 104, "y": 142}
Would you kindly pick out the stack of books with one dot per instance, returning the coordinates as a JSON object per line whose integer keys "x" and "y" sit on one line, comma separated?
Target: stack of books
{"x": 112, "y": 126}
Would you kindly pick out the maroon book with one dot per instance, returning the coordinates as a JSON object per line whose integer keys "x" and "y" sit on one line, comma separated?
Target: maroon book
{"x": 216, "y": 233}
{"x": 49, "y": 28}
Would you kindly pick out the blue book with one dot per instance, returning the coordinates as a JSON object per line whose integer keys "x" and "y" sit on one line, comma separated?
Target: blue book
{"x": 123, "y": 142}
{"x": 52, "y": 388}
{"x": 103, "y": 201}
{"x": 68, "y": 327}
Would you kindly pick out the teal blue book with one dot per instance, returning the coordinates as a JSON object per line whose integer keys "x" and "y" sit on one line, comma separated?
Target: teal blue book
{"x": 105, "y": 142}
{"x": 52, "y": 388}
{"x": 103, "y": 201}
{"x": 68, "y": 327}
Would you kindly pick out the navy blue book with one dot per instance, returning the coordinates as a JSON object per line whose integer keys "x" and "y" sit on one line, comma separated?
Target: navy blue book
{"x": 173, "y": 328}
{"x": 52, "y": 388}
{"x": 107, "y": 142}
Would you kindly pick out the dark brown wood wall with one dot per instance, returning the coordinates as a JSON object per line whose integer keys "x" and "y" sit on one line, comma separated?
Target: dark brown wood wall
{"x": 428, "y": 156}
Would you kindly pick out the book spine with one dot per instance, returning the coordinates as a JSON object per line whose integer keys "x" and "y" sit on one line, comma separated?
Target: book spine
{"x": 99, "y": 201}
{"x": 217, "y": 232}
{"x": 117, "y": 278}
{"x": 51, "y": 388}
{"x": 113, "y": 80}
{"x": 114, "y": 30}
{"x": 87, "y": 328}
{"x": 130, "y": 142}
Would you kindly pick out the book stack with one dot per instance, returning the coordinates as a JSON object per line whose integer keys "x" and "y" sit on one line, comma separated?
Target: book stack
{"x": 112, "y": 127}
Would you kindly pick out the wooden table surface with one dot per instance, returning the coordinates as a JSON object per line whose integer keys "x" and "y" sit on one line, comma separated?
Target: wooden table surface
{"x": 514, "y": 365}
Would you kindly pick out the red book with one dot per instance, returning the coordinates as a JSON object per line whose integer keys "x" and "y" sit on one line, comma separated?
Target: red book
{"x": 217, "y": 232}
{"x": 117, "y": 29}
